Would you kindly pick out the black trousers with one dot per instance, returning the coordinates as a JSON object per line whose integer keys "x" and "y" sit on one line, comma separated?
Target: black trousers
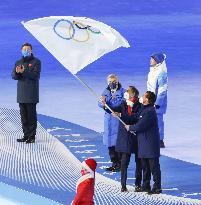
{"x": 125, "y": 159}
{"x": 28, "y": 119}
{"x": 115, "y": 157}
{"x": 151, "y": 166}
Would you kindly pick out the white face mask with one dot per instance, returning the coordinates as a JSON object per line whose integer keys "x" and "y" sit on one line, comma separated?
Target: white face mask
{"x": 141, "y": 100}
{"x": 126, "y": 95}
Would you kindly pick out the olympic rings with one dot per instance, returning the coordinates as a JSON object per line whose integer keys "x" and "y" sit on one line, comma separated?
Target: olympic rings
{"x": 86, "y": 27}
{"x": 73, "y": 38}
{"x": 80, "y": 25}
{"x": 71, "y": 25}
{"x": 71, "y": 30}
{"x": 93, "y": 30}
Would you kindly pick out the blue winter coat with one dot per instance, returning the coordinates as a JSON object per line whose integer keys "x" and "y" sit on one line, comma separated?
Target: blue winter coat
{"x": 126, "y": 142}
{"x": 111, "y": 123}
{"x": 147, "y": 133}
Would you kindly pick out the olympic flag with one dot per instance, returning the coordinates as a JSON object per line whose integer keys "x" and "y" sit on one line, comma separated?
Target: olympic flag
{"x": 75, "y": 41}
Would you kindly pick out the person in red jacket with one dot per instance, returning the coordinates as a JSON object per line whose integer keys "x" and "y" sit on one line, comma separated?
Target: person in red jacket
{"x": 85, "y": 184}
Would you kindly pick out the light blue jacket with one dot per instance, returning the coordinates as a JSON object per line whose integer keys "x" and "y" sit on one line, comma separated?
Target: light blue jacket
{"x": 158, "y": 83}
{"x": 111, "y": 123}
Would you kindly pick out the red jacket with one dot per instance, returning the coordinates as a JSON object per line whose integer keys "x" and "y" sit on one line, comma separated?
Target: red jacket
{"x": 84, "y": 191}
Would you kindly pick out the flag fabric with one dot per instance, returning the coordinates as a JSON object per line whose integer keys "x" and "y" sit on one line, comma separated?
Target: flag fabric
{"x": 75, "y": 41}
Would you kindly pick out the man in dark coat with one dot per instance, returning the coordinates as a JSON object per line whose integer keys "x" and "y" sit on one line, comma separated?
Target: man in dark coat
{"x": 27, "y": 73}
{"x": 126, "y": 143}
{"x": 148, "y": 143}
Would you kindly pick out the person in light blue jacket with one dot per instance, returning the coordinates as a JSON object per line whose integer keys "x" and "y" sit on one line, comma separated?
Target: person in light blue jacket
{"x": 158, "y": 83}
{"x": 113, "y": 96}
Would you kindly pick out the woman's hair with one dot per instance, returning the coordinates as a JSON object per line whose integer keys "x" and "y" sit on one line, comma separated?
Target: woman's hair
{"x": 134, "y": 90}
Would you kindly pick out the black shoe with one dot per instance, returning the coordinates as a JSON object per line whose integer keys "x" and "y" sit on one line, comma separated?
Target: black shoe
{"x": 113, "y": 169}
{"x": 22, "y": 139}
{"x": 124, "y": 189}
{"x": 162, "y": 145}
{"x": 138, "y": 189}
{"x": 155, "y": 191}
{"x": 145, "y": 189}
{"x": 110, "y": 169}
{"x": 116, "y": 169}
{"x": 30, "y": 141}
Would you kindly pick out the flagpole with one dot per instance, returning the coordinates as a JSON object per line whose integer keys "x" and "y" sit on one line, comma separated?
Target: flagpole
{"x": 97, "y": 96}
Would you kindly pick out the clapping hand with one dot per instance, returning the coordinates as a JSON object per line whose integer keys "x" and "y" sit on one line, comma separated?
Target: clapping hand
{"x": 19, "y": 69}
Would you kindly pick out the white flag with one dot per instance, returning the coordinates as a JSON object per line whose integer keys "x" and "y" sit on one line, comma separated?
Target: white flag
{"x": 75, "y": 41}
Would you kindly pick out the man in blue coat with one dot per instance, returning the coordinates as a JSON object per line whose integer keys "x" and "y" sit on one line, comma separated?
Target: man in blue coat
{"x": 148, "y": 143}
{"x": 112, "y": 96}
{"x": 27, "y": 72}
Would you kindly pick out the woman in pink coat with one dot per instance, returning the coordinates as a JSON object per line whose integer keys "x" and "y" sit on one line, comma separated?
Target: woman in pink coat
{"x": 85, "y": 184}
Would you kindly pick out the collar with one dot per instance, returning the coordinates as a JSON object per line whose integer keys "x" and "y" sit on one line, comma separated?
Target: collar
{"x": 83, "y": 178}
{"x": 25, "y": 59}
{"x": 159, "y": 67}
{"x": 146, "y": 106}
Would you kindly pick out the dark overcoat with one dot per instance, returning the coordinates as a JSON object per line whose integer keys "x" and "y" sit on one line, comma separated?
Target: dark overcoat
{"x": 28, "y": 81}
{"x": 147, "y": 132}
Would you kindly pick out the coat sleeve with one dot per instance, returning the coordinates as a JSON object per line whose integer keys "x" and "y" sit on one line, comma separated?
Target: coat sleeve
{"x": 113, "y": 103}
{"x": 162, "y": 85}
{"x": 81, "y": 192}
{"x": 132, "y": 119}
{"x": 15, "y": 76}
{"x": 115, "y": 108}
{"x": 129, "y": 119}
{"x": 144, "y": 123}
{"x": 99, "y": 103}
{"x": 118, "y": 108}
{"x": 35, "y": 73}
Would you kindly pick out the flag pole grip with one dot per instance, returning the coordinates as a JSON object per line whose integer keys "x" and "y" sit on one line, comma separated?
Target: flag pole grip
{"x": 97, "y": 96}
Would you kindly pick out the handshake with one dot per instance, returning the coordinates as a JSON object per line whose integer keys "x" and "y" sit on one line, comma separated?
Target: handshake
{"x": 19, "y": 69}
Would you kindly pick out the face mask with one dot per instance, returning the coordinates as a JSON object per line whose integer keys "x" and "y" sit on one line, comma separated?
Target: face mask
{"x": 141, "y": 100}
{"x": 126, "y": 95}
{"x": 83, "y": 172}
{"x": 26, "y": 53}
{"x": 113, "y": 86}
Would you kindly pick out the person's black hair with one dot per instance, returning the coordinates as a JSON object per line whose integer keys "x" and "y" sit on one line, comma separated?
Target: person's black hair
{"x": 26, "y": 44}
{"x": 134, "y": 90}
{"x": 151, "y": 97}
